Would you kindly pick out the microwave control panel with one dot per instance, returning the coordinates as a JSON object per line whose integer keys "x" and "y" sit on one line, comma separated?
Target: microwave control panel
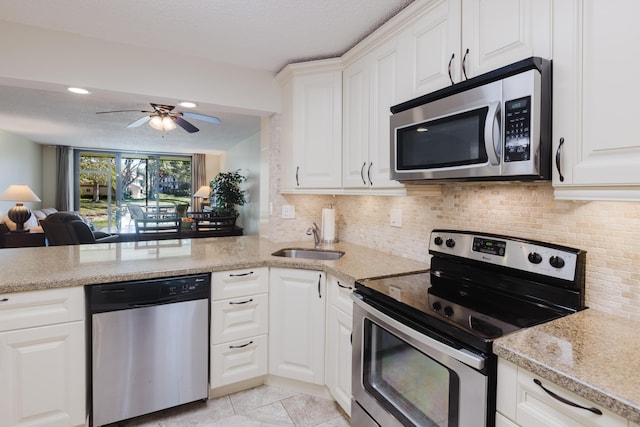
{"x": 517, "y": 142}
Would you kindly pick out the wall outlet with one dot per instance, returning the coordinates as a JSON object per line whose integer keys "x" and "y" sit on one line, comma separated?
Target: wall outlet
{"x": 395, "y": 293}
{"x": 288, "y": 211}
{"x": 396, "y": 218}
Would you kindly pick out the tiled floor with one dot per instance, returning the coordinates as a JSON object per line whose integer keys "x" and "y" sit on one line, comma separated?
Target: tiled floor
{"x": 261, "y": 406}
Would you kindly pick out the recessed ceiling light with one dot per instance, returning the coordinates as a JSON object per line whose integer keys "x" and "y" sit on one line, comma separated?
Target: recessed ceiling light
{"x": 187, "y": 104}
{"x": 78, "y": 90}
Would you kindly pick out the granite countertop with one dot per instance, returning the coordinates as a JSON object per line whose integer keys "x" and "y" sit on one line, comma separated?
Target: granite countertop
{"x": 591, "y": 353}
{"x": 26, "y": 269}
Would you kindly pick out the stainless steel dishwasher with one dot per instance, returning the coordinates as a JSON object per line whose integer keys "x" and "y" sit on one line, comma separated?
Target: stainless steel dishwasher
{"x": 149, "y": 346}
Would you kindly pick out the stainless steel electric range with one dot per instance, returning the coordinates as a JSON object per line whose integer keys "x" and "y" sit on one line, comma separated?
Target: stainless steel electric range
{"x": 422, "y": 342}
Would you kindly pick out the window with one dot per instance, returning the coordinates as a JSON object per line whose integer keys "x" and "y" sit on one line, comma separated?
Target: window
{"x": 106, "y": 182}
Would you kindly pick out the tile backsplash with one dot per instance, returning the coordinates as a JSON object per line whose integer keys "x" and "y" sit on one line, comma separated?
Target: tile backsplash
{"x": 608, "y": 231}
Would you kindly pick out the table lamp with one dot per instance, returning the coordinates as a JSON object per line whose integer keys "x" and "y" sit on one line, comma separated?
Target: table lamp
{"x": 19, "y": 213}
{"x": 203, "y": 192}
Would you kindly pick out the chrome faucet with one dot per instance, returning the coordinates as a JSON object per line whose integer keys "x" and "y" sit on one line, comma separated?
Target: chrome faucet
{"x": 315, "y": 230}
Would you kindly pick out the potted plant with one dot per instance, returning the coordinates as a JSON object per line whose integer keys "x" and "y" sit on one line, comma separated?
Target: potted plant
{"x": 227, "y": 194}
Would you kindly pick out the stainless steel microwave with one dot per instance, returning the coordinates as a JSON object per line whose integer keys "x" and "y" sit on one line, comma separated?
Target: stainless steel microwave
{"x": 496, "y": 126}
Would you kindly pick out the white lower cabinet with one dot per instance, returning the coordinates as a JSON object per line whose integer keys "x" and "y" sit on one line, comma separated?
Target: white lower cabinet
{"x": 297, "y": 324}
{"x": 338, "y": 356}
{"x": 521, "y": 401}
{"x": 42, "y": 358}
{"x": 239, "y": 326}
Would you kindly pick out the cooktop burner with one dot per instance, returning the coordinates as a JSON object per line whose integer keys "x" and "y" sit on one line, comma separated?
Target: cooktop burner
{"x": 482, "y": 286}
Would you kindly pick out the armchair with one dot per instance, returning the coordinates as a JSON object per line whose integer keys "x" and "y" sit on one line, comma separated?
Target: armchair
{"x": 67, "y": 228}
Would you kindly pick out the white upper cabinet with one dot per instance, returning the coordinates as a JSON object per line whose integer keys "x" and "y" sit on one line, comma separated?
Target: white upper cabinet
{"x": 458, "y": 39}
{"x": 597, "y": 153}
{"x": 311, "y": 125}
{"x": 370, "y": 87}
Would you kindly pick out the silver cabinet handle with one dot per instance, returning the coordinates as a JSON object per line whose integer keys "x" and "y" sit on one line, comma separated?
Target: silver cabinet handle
{"x": 343, "y": 286}
{"x": 297, "y": 174}
{"x": 369, "y": 174}
{"x": 319, "y": 279}
{"x": 558, "y": 160}
{"x": 464, "y": 68}
{"x": 241, "y": 274}
{"x": 4, "y": 299}
{"x": 241, "y": 345}
{"x": 449, "y": 68}
{"x": 565, "y": 401}
{"x": 240, "y": 302}
{"x": 362, "y": 173}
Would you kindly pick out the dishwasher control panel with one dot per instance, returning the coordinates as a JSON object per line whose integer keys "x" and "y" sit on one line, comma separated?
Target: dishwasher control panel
{"x": 134, "y": 294}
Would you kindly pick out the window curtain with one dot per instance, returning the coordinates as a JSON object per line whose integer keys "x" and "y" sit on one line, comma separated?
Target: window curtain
{"x": 62, "y": 178}
{"x": 198, "y": 178}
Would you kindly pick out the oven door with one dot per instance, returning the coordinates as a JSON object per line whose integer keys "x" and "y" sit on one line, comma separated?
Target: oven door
{"x": 402, "y": 377}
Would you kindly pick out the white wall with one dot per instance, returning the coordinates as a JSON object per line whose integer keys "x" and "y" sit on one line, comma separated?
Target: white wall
{"x": 20, "y": 163}
{"x": 246, "y": 157}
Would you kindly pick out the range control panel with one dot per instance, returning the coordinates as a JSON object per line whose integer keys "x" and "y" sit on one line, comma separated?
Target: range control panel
{"x": 526, "y": 255}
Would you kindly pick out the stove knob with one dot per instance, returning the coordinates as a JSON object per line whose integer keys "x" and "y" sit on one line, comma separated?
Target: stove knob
{"x": 448, "y": 311}
{"x": 450, "y": 243}
{"x": 436, "y": 306}
{"x": 438, "y": 240}
{"x": 535, "y": 258}
{"x": 556, "y": 262}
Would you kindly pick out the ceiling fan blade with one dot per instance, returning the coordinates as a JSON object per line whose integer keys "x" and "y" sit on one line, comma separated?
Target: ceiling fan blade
{"x": 139, "y": 122}
{"x": 210, "y": 119}
{"x": 184, "y": 124}
{"x": 123, "y": 111}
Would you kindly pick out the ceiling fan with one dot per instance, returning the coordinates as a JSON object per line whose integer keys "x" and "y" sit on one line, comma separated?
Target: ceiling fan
{"x": 164, "y": 118}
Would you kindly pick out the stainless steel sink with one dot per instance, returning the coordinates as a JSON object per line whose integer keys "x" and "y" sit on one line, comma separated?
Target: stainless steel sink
{"x": 320, "y": 254}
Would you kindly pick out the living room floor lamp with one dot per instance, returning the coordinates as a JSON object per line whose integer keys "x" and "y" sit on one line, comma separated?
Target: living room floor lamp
{"x": 19, "y": 193}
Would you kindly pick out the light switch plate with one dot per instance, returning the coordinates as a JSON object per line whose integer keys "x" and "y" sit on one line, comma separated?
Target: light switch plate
{"x": 288, "y": 211}
{"x": 396, "y": 218}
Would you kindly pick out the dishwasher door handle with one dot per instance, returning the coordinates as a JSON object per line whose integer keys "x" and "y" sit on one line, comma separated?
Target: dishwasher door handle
{"x": 155, "y": 302}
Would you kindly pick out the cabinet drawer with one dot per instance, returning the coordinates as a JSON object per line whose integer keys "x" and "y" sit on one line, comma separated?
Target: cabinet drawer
{"x": 340, "y": 294}
{"x": 39, "y": 308}
{"x": 238, "y": 318}
{"x": 238, "y": 283}
{"x": 238, "y": 360}
{"x": 535, "y": 407}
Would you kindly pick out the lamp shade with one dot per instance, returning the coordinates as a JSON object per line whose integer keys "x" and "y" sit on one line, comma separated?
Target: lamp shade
{"x": 204, "y": 192}
{"x": 19, "y": 193}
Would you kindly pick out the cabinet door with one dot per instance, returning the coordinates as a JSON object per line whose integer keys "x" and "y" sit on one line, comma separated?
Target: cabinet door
{"x": 317, "y": 129}
{"x": 384, "y": 85}
{"x": 43, "y": 376}
{"x": 237, "y": 361}
{"x": 594, "y": 101}
{"x": 339, "y": 356}
{"x": 355, "y": 153}
{"x": 435, "y": 38}
{"x": 239, "y": 283}
{"x": 500, "y": 32}
{"x": 297, "y": 324}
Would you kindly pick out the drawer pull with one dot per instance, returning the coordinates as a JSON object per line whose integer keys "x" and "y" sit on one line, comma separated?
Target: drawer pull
{"x": 241, "y": 274}
{"x": 565, "y": 401}
{"x": 344, "y": 287}
{"x": 241, "y": 302}
{"x": 241, "y": 345}
{"x": 4, "y": 299}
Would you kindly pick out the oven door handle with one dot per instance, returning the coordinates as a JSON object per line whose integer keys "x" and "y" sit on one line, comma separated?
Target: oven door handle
{"x": 463, "y": 355}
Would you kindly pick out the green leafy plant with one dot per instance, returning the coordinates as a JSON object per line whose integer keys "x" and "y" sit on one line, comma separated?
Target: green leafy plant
{"x": 227, "y": 193}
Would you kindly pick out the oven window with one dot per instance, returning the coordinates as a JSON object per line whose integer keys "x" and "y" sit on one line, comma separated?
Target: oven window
{"x": 450, "y": 141}
{"x": 415, "y": 388}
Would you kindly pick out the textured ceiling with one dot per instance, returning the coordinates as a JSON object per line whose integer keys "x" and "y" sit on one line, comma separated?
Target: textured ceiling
{"x": 257, "y": 34}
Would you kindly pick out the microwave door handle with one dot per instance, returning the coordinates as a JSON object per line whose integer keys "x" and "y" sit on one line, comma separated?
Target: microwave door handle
{"x": 490, "y": 144}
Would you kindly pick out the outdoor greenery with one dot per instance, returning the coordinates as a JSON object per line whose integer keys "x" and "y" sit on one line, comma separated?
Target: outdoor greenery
{"x": 227, "y": 193}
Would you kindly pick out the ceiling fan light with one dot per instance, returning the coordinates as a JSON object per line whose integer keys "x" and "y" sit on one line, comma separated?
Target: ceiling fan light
{"x": 168, "y": 123}
{"x": 162, "y": 123}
